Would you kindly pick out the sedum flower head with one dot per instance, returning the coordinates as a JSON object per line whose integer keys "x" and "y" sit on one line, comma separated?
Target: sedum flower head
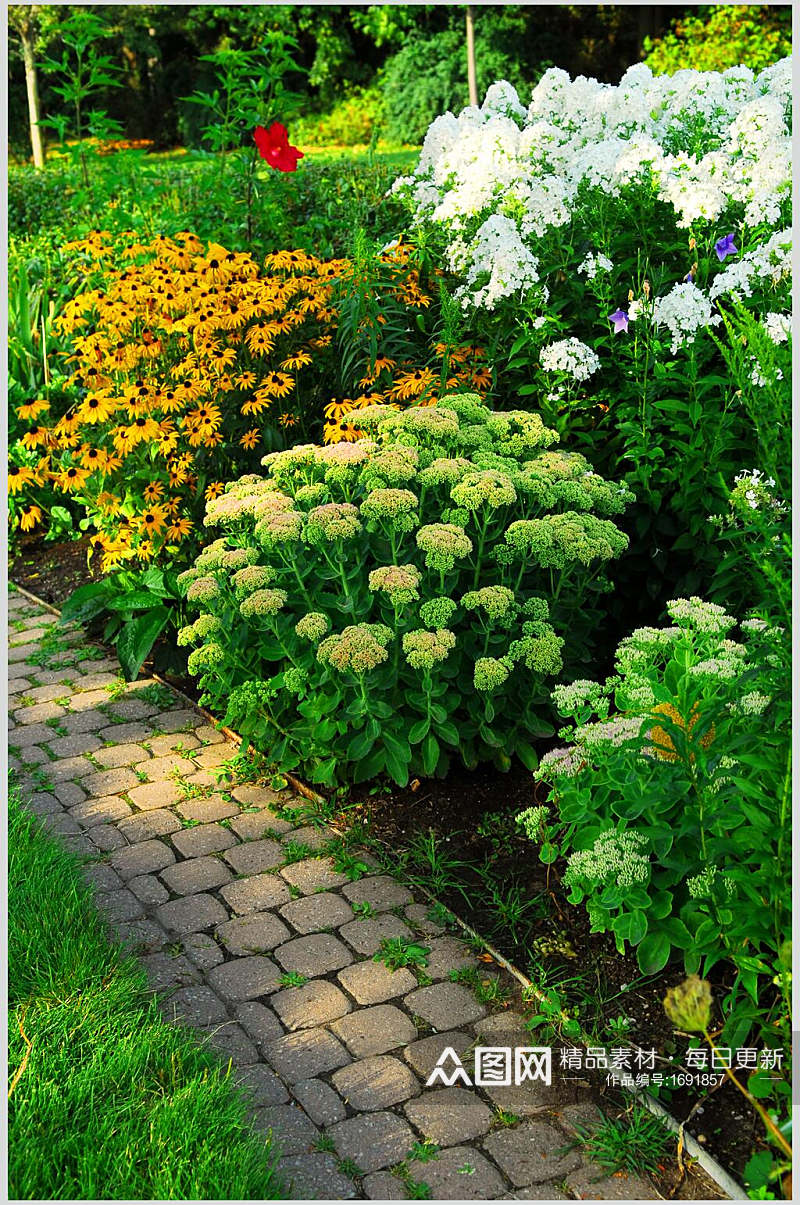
{"x": 186, "y": 578}
{"x": 559, "y": 540}
{"x": 539, "y": 648}
{"x": 392, "y": 466}
{"x": 443, "y": 544}
{"x": 491, "y": 672}
{"x": 359, "y": 648}
{"x": 688, "y": 1005}
{"x": 565, "y": 762}
{"x": 203, "y": 590}
{"x": 485, "y": 488}
{"x": 571, "y": 699}
{"x": 238, "y": 558}
{"x": 253, "y": 577}
{"x": 312, "y": 626}
{"x": 398, "y": 582}
{"x": 614, "y": 858}
{"x": 283, "y": 527}
{"x": 423, "y": 649}
{"x": 209, "y": 558}
{"x": 398, "y": 506}
{"x": 445, "y": 471}
{"x": 497, "y": 601}
{"x": 532, "y": 821}
{"x": 703, "y": 616}
{"x": 437, "y": 612}
{"x": 436, "y": 423}
{"x": 208, "y": 656}
{"x": 332, "y": 521}
{"x": 263, "y": 603}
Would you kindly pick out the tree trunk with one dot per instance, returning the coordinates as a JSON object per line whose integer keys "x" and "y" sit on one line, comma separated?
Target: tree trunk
{"x": 37, "y": 144}
{"x": 471, "y": 74}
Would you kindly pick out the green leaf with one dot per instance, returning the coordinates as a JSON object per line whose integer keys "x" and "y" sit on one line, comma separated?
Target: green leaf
{"x": 630, "y": 926}
{"x": 137, "y": 639}
{"x": 653, "y": 953}
{"x": 86, "y": 602}
{"x": 359, "y": 746}
{"x": 527, "y": 755}
{"x": 396, "y": 767}
{"x": 417, "y": 731}
{"x": 134, "y": 600}
{"x": 430, "y": 754}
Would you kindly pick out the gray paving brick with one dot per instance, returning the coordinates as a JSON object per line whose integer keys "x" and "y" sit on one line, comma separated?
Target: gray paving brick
{"x": 123, "y": 733}
{"x": 144, "y": 825}
{"x": 375, "y": 1083}
{"x": 159, "y": 768}
{"x": 39, "y": 713}
{"x": 305, "y": 1054}
{"x": 448, "y": 954}
{"x": 444, "y": 1004}
{"x": 196, "y": 874}
{"x": 113, "y": 756}
{"x": 74, "y": 745}
{"x": 69, "y": 793}
{"x": 325, "y": 910}
{"x": 373, "y": 1141}
{"x": 258, "y": 796}
{"x": 191, "y": 914}
{"x": 316, "y": 954}
{"x": 144, "y": 858}
{"x": 319, "y": 1100}
{"x": 119, "y": 905}
{"x": 537, "y": 1192}
{"x": 532, "y": 1153}
{"x": 111, "y": 782}
{"x": 316, "y": 1003}
{"x": 365, "y": 936}
{"x": 205, "y": 839}
{"x": 231, "y": 1044}
{"x": 255, "y": 894}
{"x": 214, "y": 807}
{"x": 176, "y": 721}
{"x": 202, "y": 950}
{"x": 142, "y": 936}
{"x": 460, "y": 1173}
{"x": 106, "y": 838}
{"x": 206, "y": 733}
{"x": 151, "y": 795}
{"x": 448, "y": 1116}
{"x": 148, "y": 889}
{"x": 315, "y": 1176}
{"x": 252, "y": 826}
{"x": 195, "y": 1005}
{"x": 592, "y": 1183}
{"x": 425, "y": 1054}
{"x": 373, "y": 983}
{"x": 293, "y": 1133}
{"x": 379, "y": 890}
{"x": 262, "y": 1086}
{"x": 383, "y": 1186}
{"x": 254, "y": 856}
{"x": 43, "y": 804}
{"x": 102, "y": 877}
{"x": 33, "y": 734}
{"x": 131, "y": 709}
{"x": 244, "y": 978}
{"x": 33, "y": 755}
{"x": 165, "y": 971}
{"x": 313, "y": 874}
{"x": 252, "y": 934}
{"x": 375, "y": 1030}
{"x": 100, "y": 811}
{"x": 161, "y": 746}
{"x": 260, "y": 1022}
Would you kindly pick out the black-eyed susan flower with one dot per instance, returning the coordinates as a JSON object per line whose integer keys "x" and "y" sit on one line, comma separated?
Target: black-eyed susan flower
{"x": 29, "y": 516}
{"x": 29, "y": 410}
{"x": 250, "y": 439}
{"x": 71, "y": 479}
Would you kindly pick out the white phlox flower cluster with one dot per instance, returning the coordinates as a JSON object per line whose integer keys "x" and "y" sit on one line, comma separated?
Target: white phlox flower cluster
{"x": 594, "y": 263}
{"x": 570, "y": 356}
{"x": 684, "y": 311}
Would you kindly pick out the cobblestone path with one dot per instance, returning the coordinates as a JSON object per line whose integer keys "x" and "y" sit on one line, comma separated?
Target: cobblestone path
{"x": 255, "y": 939}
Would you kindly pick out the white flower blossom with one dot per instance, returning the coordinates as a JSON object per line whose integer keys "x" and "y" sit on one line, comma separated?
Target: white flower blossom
{"x": 570, "y": 356}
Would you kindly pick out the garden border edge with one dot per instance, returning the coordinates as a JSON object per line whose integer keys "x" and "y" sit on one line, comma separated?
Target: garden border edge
{"x": 723, "y": 1179}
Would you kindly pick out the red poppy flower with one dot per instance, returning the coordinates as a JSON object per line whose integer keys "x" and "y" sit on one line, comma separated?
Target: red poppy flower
{"x": 273, "y": 145}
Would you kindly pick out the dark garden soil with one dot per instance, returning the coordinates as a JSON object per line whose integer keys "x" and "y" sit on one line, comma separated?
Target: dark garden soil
{"x": 478, "y": 850}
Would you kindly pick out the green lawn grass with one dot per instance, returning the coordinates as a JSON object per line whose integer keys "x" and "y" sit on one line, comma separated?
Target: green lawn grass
{"x": 112, "y": 1102}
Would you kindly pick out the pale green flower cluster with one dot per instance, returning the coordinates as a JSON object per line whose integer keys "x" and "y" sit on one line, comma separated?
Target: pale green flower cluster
{"x": 211, "y": 557}
{"x": 497, "y": 601}
{"x": 710, "y": 884}
{"x": 608, "y": 734}
{"x": 281, "y": 527}
{"x": 397, "y": 505}
{"x": 207, "y": 656}
{"x": 312, "y": 626}
{"x": 490, "y": 673}
{"x": 703, "y": 616}
{"x": 423, "y": 649}
{"x": 332, "y": 521}
{"x": 391, "y": 466}
{"x": 237, "y": 558}
{"x": 559, "y": 540}
{"x": 539, "y": 648}
{"x": 437, "y": 612}
{"x": 445, "y": 471}
{"x": 398, "y": 582}
{"x": 645, "y": 647}
{"x": 253, "y": 577}
{"x": 490, "y": 489}
{"x": 574, "y": 698}
{"x": 203, "y": 626}
{"x": 615, "y": 857}
{"x": 203, "y": 590}
{"x": 263, "y": 603}
{"x": 755, "y": 702}
{"x": 443, "y": 544}
{"x": 359, "y": 648}
{"x": 532, "y": 821}
{"x": 566, "y": 762}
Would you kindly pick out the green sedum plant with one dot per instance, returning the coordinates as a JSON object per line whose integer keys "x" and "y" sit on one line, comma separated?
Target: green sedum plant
{"x": 671, "y": 804}
{"x": 389, "y": 604}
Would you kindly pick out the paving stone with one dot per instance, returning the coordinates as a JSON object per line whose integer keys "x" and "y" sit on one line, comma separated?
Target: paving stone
{"x": 195, "y": 1005}
{"x": 87, "y": 700}
{"x": 143, "y": 936}
{"x": 74, "y": 744}
{"x": 124, "y": 733}
{"x": 260, "y": 1022}
{"x": 583, "y": 1116}
{"x": 592, "y": 1183}
{"x": 161, "y": 746}
{"x": 22, "y": 686}
{"x": 202, "y": 950}
{"x": 40, "y": 694}
{"x": 383, "y": 1186}
{"x": 111, "y": 782}
{"x": 191, "y": 914}
{"x": 152, "y": 795}
{"x": 33, "y": 755}
{"x": 252, "y": 826}
{"x": 315, "y": 912}
{"x": 380, "y": 890}
{"x": 99, "y": 680}
{"x": 320, "y": 1101}
{"x": 245, "y": 978}
{"x": 39, "y": 713}
{"x": 158, "y": 768}
{"x": 22, "y": 652}
{"x": 102, "y": 877}
{"x": 305, "y": 1054}
{"x": 503, "y": 1029}
{"x": 252, "y": 934}
{"x": 374, "y": 1141}
{"x": 106, "y": 838}
{"x": 231, "y": 1044}
{"x": 444, "y": 1004}
{"x": 530, "y": 1098}
{"x": 255, "y": 894}
{"x": 373, "y": 983}
{"x": 207, "y": 734}
{"x": 131, "y": 709}
{"x": 262, "y": 1086}
{"x": 148, "y": 889}
{"x": 313, "y": 874}
{"x": 254, "y": 856}
{"x": 314, "y": 955}
{"x": 33, "y": 734}
{"x": 315, "y": 1176}
{"x": 213, "y": 756}
{"x": 205, "y": 780}
{"x": 365, "y": 936}
{"x": 448, "y": 954}
{"x": 144, "y": 825}
{"x": 69, "y": 793}
{"x": 375, "y": 1083}
{"x": 165, "y": 971}
{"x": 532, "y": 1152}
{"x": 205, "y": 839}
{"x": 537, "y": 1192}
{"x": 114, "y": 756}
{"x": 425, "y": 1054}
{"x": 143, "y": 858}
{"x": 175, "y": 721}
{"x": 196, "y": 874}
{"x": 214, "y": 807}
{"x": 293, "y": 1133}
{"x": 312, "y": 835}
{"x": 375, "y": 1030}
{"x": 315, "y": 1003}
{"x": 460, "y": 1173}
{"x": 119, "y": 905}
{"x": 100, "y": 811}
{"x": 450, "y": 1115}
{"x": 43, "y": 804}
{"x": 258, "y": 796}
{"x": 87, "y": 721}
